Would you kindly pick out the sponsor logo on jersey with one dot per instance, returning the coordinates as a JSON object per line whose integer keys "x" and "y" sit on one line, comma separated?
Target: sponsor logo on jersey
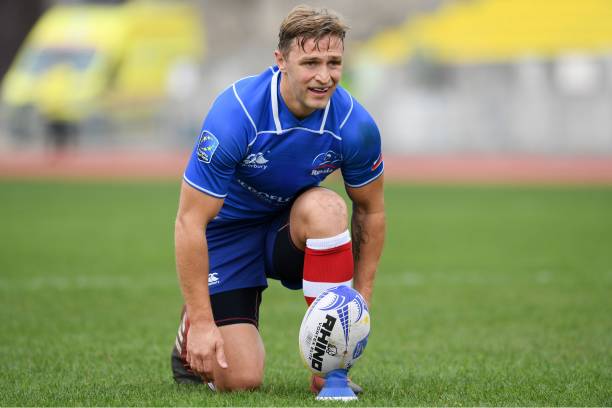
{"x": 377, "y": 162}
{"x": 207, "y": 145}
{"x": 213, "y": 279}
{"x": 325, "y": 163}
{"x": 255, "y": 161}
{"x": 269, "y": 198}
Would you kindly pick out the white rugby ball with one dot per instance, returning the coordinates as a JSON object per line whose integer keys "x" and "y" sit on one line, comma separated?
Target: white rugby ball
{"x": 335, "y": 330}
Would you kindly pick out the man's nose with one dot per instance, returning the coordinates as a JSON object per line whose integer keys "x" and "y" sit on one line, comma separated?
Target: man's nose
{"x": 323, "y": 76}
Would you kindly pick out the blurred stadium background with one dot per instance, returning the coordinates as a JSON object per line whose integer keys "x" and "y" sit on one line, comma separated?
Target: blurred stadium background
{"x": 471, "y": 79}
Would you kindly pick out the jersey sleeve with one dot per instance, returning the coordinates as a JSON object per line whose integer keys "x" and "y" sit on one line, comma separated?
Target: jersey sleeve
{"x": 220, "y": 147}
{"x": 362, "y": 160}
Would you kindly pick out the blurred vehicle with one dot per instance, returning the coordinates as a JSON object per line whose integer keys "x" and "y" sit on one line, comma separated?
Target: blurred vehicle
{"x": 86, "y": 65}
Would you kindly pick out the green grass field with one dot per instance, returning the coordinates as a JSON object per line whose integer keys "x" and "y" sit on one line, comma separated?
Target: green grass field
{"x": 485, "y": 296}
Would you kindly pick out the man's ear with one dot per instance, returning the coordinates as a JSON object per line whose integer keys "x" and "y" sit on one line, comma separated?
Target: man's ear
{"x": 280, "y": 60}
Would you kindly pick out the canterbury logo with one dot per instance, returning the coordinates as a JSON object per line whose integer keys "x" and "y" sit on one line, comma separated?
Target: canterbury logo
{"x": 255, "y": 161}
{"x": 213, "y": 278}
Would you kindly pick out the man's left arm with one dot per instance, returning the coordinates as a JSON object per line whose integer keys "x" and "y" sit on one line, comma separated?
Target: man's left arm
{"x": 368, "y": 233}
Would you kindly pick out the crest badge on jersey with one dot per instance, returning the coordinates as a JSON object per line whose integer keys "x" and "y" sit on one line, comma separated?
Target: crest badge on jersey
{"x": 325, "y": 163}
{"x": 207, "y": 145}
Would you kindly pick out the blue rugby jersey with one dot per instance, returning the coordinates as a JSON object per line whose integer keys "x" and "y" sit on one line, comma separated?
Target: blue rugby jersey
{"x": 256, "y": 154}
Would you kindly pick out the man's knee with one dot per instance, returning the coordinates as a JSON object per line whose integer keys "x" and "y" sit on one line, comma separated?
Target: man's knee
{"x": 243, "y": 381}
{"x": 318, "y": 213}
{"x": 245, "y": 357}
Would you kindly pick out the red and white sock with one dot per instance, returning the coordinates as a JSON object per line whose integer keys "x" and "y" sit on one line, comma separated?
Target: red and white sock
{"x": 328, "y": 262}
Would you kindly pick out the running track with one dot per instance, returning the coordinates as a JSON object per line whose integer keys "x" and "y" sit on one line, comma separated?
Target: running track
{"x": 486, "y": 169}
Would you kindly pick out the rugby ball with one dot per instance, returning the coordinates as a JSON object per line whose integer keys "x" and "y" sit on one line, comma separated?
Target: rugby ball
{"x": 334, "y": 331}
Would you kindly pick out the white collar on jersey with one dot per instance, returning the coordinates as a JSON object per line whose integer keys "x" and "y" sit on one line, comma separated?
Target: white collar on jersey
{"x": 274, "y": 97}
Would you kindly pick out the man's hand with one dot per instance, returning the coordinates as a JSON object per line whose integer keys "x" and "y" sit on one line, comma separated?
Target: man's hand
{"x": 204, "y": 341}
{"x": 204, "y": 349}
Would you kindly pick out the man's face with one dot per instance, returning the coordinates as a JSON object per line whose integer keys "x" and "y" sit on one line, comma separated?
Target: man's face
{"x": 310, "y": 75}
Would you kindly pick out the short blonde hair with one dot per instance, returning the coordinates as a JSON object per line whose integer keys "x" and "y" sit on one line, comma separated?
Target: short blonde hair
{"x": 304, "y": 23}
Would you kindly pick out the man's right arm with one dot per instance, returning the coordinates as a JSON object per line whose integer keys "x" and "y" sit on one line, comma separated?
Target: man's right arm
{"x": 204, "y": 343}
